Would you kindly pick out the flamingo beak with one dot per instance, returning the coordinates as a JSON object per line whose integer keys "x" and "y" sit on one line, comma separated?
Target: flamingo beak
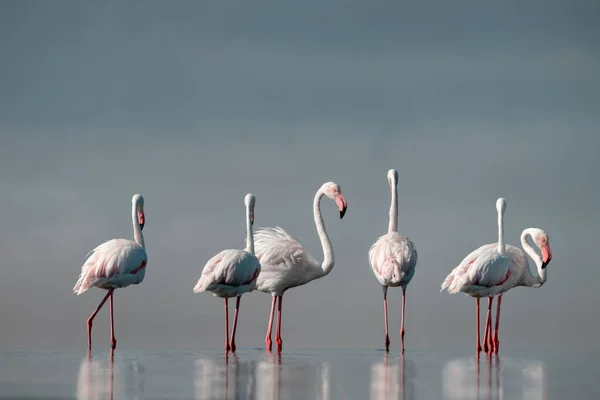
{"x": 342, "y": 205}
{"x": 252, "y": 217}
{"x": 546, "y": 256}
{"x": 142, "y": 219}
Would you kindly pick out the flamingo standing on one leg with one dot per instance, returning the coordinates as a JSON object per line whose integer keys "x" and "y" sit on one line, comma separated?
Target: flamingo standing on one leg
{"x": 231, "y": 273}
{"x": 482, "y": 274}
{"x": 393, "y": 258}
{"x": 115, "y": 264}
{"x": 287, "y": 264}
{"x": 520, "y": 275}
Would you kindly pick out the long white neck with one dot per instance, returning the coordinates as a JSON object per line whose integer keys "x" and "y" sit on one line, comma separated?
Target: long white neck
{"x": 328, "y": 259}
{"x": 249, "y": 232}
{"x": 501, "y": 246}
{"x": 528, "y": 278}
{"x": 393, "y": 226}
{"x": 138, "y": 236}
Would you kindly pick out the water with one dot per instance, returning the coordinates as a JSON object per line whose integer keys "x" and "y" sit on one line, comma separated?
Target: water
{"x": 297, "y": 374}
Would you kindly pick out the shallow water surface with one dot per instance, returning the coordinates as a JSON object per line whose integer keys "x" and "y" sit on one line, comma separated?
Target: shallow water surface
{"x": 296, "y": 374}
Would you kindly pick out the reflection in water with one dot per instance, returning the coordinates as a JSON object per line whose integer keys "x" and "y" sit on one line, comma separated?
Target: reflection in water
{"x": 268, "y": 379}
{"x": 392, "y": 379}
{"x": 464, "y": 379}
{"x": 107, "y": 379}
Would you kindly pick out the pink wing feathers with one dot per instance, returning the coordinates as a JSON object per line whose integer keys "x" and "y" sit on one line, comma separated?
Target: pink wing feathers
{"x": 483, "y": 267}
{"x": 115, "y": 263}
{"x": 229, "y": 267}
{"x": 393, "y": 258}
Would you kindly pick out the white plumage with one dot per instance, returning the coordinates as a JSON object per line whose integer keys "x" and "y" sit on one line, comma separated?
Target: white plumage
{"x": 230, "y": 273}
{"x": 393, "y": 258}
{"x": 116, "y": 263}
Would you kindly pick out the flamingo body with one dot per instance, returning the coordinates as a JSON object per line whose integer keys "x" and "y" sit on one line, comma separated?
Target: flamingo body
{"x": 114, "y": 264}
{"x": 393, "y": 259}
{"x": 285, "y": 262}
{"x": 482, "y": 273}
{"x": 230, "y": 273}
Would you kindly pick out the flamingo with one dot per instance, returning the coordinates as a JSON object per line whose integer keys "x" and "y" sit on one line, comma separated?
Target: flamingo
{"x": 393, "y": 258}
{"x": 231, "y": 273}
{"x": 287, "y": 264}
{"x": 115, "y": 264}
{"x": 482, "y": 274}
{"x": 520, "y": 275}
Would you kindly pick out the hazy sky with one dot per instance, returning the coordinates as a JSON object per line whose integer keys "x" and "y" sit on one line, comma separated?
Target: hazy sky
{"x": 194, "y": 104}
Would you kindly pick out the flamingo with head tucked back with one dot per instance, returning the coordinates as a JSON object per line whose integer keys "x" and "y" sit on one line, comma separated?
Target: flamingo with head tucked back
{"x": 287, "y": 264}
{"x": 393, "y": 258}
{"x": 115, "y": 264}
{"x": 232, "y": 272}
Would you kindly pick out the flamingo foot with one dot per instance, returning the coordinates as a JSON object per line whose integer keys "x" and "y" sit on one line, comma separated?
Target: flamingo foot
{"x": 268, "y": 343}
{"x": 113, "y": 342}
{"x": 279, "y": 344}
{"x": 478, "y": 348}
{"x": 232, "y": 346}
{"x": 387, "y": 343}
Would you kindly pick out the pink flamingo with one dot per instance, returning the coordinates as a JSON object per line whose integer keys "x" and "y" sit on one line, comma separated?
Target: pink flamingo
{"x": 520, "y": 275}
{"x": 232, "y": 273}
{"x": 393, "y": 258}
{"x": 115, "y": 264}
{"x": 287, "y": 264}
{"x": 495, "y": 268}
{"x": 481, "y": 274}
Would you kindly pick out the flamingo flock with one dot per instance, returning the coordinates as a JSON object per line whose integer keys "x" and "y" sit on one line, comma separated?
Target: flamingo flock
{"x": 273, "y": 262}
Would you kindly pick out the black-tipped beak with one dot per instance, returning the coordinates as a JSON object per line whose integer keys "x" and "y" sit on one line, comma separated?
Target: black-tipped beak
{"x": 343, "y": 212}
{"x": 142, "y": 219}
{"x": 544, "y": 265}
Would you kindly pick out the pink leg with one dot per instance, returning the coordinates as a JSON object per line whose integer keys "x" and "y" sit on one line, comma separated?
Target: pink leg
{"x": 402, "y": 326}
{"x": 487, "y": 338}
{"x": 496, "y": 341}
{"x": 113, "y": 340}
{"x": 235, "y": 317}
{"x": 387, "y": 337}
{"x": 478, "y": 346}
{"x": 278, "y": 331}
{"x": 268, "y": 336}
{"x": 91, "y": 318}
{"x": 226, "y": 325}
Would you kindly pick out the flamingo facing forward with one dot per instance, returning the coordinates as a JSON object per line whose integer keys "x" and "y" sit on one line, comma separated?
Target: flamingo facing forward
{"x": 393, "y": 258}
{"x": 115, "y": 264}
{"x": 482, "y": 273}
{"x": 232, "y": 272}
{"x": 287, "y": 264}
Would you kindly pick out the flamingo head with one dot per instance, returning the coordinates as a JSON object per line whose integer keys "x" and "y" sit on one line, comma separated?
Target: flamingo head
{"x": 501, "y": 205}
{"x": 249, "y": 201}
{"x": 392, "y": 177}
{"x": 334, "y": 192}
{"x": 138, "y": 203}
{"x": 542, "y": 241}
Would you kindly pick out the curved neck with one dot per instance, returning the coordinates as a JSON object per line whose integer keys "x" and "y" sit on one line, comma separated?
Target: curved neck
{"x": 393, "y": 226}
{"x": 328, "y": 259}
{"x": 249, "y": 233}
{"x": 138, "y": 236}
{"x": 528, "y": 278}
{"x": 501, "y": 247}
